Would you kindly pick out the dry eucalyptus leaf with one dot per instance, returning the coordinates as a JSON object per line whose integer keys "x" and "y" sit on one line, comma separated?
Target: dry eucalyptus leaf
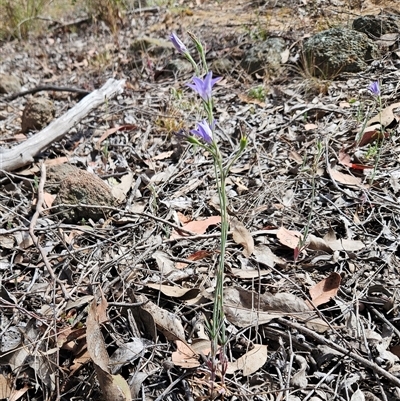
{"x": 198, "y": 226}
{"x": 358, "y": 396}
{"x": 326, "y": 289}
{"x": 385, "y": 118}
{"x": 250, "y": 362}
{"x": 164, "y": 263}
{"x": 174, "y": 291}
{"x": 263, "y": 254}
{"x": 288, "y": 238}
{"x": 242, "y": 236}
{"x": 345, "y": 179}
{"x": 5, "y": 387}
{"x": 114, "y": 388}
{"x": 126, "y": 353}
{"x": 245, "y": 308}
{"x": 166, "y": 322}
{"x": 184, "y": 356}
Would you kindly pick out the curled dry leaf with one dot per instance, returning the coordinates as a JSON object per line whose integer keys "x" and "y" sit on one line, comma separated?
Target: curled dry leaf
{"x": 242, "y": 236}
{"x": 250, "y": 362}
{"x": 326, "y": 289}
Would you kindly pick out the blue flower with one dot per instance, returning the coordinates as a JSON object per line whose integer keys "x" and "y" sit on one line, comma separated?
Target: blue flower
{"x": 204, "y": 86}
{"x": 179, "y": 46}
{"x": 374, "y": 88}
{"x": 204, "y": 131}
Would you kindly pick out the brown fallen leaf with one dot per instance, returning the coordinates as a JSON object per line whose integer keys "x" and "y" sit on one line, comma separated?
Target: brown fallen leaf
{"x": 198, "y": 226}
{"x": 345, "y": 179}
{"x": 166, "y": 322}
{"x": 326, "y": 289}
{"x": 385, "y": 117}
{"x": 245, "y": 308}
{"x": 250, "y": 362}
{"x": 242, "y": 236}
{"x": 184, "y": 356}
{"x": 114, "y": 387}
{"x": 342, "y": 244}
{"x": 288, "y": 238}
{"x": 194, "y": 256}
{"x": 371, "y": 134}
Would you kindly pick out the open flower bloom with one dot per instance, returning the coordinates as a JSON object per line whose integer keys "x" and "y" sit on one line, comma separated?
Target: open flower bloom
{"x": 374, "y": 88}
{"x": 204, "y": 131}
{"x": 179, "y": 46}
{"x": 204, "y": 86}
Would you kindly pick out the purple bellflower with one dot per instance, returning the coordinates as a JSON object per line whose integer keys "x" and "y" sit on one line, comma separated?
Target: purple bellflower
{"x": 178, "y": 44}
{"x": 204, "y": 131}
{"x": 374, "y": 88}
{"x": 204, "y": 86}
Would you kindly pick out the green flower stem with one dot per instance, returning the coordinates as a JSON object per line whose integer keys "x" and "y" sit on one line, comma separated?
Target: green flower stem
{"x": 379, "y": 142}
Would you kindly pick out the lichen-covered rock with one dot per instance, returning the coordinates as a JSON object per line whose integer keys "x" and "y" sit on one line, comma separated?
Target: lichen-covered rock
{"x": 377, "y": 25}
{"x": 38, "y": 113}
{"x": 331, "y": 52}
{"x": 266, "y": 55}
{"x": 83, "y": 188}
{"x": 9, "y": 84}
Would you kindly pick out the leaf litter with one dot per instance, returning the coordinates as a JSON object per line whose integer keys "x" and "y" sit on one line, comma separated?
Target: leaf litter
{"x": 139, "y": 281}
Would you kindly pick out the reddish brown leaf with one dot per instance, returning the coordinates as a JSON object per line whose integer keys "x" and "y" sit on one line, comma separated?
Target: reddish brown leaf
{"x": 326, "y": 289}
{"x": 288, "y": 238}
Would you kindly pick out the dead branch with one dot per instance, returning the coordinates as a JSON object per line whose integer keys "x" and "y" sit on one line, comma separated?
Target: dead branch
{"x": 24, "y": 153}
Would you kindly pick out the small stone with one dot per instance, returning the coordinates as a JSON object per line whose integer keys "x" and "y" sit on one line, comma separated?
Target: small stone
{"x": 38, "y": 113}
{"x": 9, "y": 84}
{"x": 83, "y": 188}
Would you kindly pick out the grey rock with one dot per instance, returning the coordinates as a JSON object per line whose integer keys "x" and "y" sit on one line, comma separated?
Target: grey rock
{"x": 9, "y": 84}
{"x": 78, "y": 188}
{"x": 336, "y": 50}
{"x": 377, "y": 25}
{"x": 262, "y": 56}
{"x": 38, "y": 112}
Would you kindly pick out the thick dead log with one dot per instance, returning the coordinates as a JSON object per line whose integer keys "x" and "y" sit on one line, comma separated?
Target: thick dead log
{"x": 23, "y": 154}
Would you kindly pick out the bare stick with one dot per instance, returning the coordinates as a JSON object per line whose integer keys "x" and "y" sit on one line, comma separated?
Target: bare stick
{"x": 39, "y": 207}
{"x": 322, "y": 340}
